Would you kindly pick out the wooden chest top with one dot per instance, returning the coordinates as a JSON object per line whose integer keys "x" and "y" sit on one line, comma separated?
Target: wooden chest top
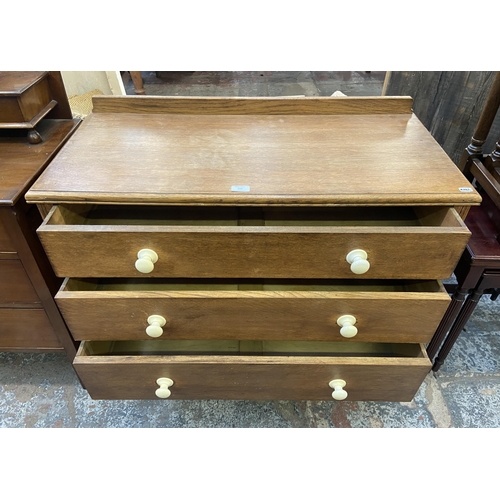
{"x": 148, "y": 150}
{"x": 14, "y": 83}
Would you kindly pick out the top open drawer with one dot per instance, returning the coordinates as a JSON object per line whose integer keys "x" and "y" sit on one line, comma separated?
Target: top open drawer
{"x": 251, "y": 242}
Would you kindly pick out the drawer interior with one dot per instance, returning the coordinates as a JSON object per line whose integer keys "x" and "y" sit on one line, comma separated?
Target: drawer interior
{"x": 249, "y": 348}
{"x": 302, "y": 285}
{"x": 130, "y": 215}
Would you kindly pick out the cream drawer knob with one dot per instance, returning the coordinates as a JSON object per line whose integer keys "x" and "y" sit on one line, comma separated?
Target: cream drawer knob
{"x": 348, "y": 329}
{"x": 155, "y": 325}
{"x": 338, "y": 389}
{"x": 164, "y": 383}
{"x": 358, "y": 260}
{"x": 146, "y": 259}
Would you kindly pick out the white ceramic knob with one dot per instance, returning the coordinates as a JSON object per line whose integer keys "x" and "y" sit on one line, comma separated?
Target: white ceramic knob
{"x": 146, "y": 260}
{"x": 155, "y": 326}
{"x": 338, "y": 389}
{"x": 358, "y": 260}
{"x": 164, "y": 383}
{"x": 348, "y": 329}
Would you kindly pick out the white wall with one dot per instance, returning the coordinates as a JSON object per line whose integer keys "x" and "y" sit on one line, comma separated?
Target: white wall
{"x": 81, "y": 82}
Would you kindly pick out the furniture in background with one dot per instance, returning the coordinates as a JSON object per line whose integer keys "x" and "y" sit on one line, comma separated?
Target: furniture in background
{"x": 448, "y": 103}
{"x": 26, "y": 97}
{"x": 252, "y": 248}
{"x": 478, "y": 271}
{"x": 137, "y": 81}
{"x": 29, "y": 318}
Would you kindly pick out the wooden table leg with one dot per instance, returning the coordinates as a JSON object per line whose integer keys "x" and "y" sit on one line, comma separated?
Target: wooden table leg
{"x": 450, "y": 316}
{"x": 137, "y": 81}
{"x": 488, "y": 283}
{"x": 458, "y": 326}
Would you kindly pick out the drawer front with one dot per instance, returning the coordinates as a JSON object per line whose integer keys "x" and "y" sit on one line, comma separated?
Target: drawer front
{"x": 271, "y": 251}
{"x": 15, "y": 286}
{"x": 34, "y": 100}
{"x": 10, "y": 111}
{"x": 26, "y": 105}
{"x": 246, "y": 377}
{"x": 6, "y": 245}
{"x": 278, "y": 313}
{"x": 26, "y": 329}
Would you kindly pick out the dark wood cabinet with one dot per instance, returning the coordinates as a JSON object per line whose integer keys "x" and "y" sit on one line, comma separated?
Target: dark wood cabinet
{"x": 29, "y": 318}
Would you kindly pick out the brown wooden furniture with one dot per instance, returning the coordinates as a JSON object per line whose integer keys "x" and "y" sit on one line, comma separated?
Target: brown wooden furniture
{"x": 448, "y": 103}
{"x": 207, "y": 246}
{"x": 478, "y": 271}
{"x": 26, "y": 97}
{"x": 29, "y": 317}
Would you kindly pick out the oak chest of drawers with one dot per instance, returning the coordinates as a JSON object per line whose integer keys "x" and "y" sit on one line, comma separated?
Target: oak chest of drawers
{"x": 253, "y": 248}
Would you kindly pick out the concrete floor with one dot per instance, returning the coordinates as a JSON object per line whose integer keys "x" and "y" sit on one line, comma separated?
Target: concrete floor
{"x": 42, "y": 390}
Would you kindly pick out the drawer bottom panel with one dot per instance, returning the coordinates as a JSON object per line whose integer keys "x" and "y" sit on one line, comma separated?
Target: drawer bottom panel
{"x": 389, "y": 376}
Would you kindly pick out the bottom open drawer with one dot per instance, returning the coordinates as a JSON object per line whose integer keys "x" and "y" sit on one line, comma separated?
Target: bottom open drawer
{"x": 251, "y": 370}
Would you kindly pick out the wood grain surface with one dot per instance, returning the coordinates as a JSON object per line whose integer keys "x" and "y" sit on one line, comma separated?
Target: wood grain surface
{"x": 16, "y": 82}
{"x": 252, "y": 105}
{"x": 26, "y": 330}
{"x": 7, "y": 248}
{"x": 16, "y": 289}
{"x": 21, "y": 162}
{"x": 252, "y": 159}
{"x": 252, "y": 377}
{"x": 20, "y": 222}
{"x": 486, "y": 180}
{"x": 255, "y": 251}
{"x": 26, "y": 102}
{"x": 483, "y": 249}
{"x": 279, "y": 312}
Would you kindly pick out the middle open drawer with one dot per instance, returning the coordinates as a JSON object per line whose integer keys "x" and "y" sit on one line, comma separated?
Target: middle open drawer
{"x": 315, "y": 310}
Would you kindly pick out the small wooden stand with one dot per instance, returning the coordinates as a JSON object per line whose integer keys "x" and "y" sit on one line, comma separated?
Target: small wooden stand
{"x": 26, "y": 97}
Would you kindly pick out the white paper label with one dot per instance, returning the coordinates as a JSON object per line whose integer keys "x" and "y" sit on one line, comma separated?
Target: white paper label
{"x": 465, "y": 190}
{"x": 240, "y": 189}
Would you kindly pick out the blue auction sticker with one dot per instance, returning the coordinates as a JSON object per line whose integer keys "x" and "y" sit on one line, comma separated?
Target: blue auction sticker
{"x": 240, "y": 189}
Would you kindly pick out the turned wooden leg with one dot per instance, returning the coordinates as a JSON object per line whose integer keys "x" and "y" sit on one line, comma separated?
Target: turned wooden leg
{"x": 450, "y": 316}
{"x": 34, "y": 137}
{"x": 137, "y": 81}
{"x": 463, "y": 317}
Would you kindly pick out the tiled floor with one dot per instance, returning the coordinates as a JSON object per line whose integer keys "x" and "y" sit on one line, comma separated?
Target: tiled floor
{"x": 42, "y": 390}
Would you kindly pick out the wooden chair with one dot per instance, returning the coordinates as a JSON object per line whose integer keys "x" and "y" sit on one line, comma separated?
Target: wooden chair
{"x": 478, "y": 271}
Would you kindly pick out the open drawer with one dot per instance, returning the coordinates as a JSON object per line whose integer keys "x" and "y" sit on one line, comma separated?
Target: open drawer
{"x": 250, "y": 242}
{"x": 319, "y": 310}
{"x": 251, "y": 370}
